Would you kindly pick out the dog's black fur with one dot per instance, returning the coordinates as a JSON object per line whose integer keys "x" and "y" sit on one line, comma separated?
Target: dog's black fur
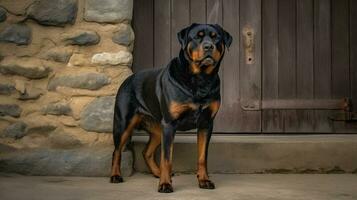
{"x": 182, "y": 96}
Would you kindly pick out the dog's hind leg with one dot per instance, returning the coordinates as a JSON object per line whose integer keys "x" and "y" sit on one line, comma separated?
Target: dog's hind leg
{"x": 122, "y": 129}
{"x": 155, "y": 131}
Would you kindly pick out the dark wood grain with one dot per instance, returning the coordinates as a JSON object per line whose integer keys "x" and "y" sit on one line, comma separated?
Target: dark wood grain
{"x": 340, "y": 49}
{"x": 229, "y": 118}
{"x": 322, "y": 62}
{"x": 353, "y": 52}
{"x": 180, "y": 18}
{"x": 271, "y": 119}
{"x": 305, "y": 62}
{"x": 162, "y": 32}
{"x": 143, "y": 26}
{"x": 250, "y": 74}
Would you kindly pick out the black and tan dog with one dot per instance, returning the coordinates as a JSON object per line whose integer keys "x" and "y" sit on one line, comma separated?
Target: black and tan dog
{"x": 182, "y": 96}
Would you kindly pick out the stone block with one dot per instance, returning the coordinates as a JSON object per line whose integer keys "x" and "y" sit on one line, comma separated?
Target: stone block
{"x": 58, "y": 108}
{"x": 111, "y": 11}
{"x": 88, "y": 80}
{"x": 57, "y": 54}
{"x": 16, "y": 33}
{"x": 119, "y": 58}
{"x": 27, "y": 67}
{"x": 6, "y": 88}
{"x": 94, "y": 161}
{"x": 16, "y": 130}
{"x": 54, "y": 12}
{"x": 81, "y": 38}
{"x": 98, "y": 115}
{"x": 125, "y": 36}
{"x": 12, "y": 110}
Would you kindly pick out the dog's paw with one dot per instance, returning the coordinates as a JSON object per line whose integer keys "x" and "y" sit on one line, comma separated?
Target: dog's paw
{"x": 206, "y": 184}
{"x": 165, "y": 188}
{"x": 116, "y": 179}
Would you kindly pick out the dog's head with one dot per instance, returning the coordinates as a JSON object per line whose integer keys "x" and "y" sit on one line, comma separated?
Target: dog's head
{"x": 203, "y": 46}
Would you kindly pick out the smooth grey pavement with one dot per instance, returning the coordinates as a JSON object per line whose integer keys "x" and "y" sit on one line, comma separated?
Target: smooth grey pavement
{"x": 141, "y": 186}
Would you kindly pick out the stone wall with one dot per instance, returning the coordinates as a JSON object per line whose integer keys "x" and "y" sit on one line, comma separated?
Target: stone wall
{"x": 61, "y": 63}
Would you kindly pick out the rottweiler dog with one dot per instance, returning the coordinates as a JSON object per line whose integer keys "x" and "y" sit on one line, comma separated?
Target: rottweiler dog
{"x": 182, "y": 96}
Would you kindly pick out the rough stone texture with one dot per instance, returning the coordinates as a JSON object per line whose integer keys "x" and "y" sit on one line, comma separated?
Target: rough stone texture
{"x": 111, "y": 11}
{"x": 78, "y": 104}
{"x": 98, "y": 115}
{"x": 81, "y": 38}
{"x": 58, "y": 108}
{"x": 18, "y": 8}
{"x": 16, "y": 130}
{"x": 40, "y": 125}
{"x": 78, "y": 60}
{"x": 56, "y": 13}
{"x": 119, "y": 58}
{"x": 2, "y": 14}
{"x": 30, "y": 93}
{"x": 124, "y": 36}
{"x": 12, "y": 110}
{"x": 91, "y": 81}
{"x": 68, "y": 121}
{"x": 6, "y": 88}
{"x": 27, "y": 67}
{"x": 57, "y": 54}
{"x": 16, "y": 33}
{"x": 49, "y": 82}
{"x": 94, "y": 161}
{"x": 61, "y": 139}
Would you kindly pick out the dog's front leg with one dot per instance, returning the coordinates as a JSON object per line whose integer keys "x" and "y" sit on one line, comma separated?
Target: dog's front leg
{"x": 204, "y": 133}
{"x": 167, "y": 141}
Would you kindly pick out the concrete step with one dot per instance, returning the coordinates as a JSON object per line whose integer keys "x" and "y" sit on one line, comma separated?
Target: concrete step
{"x": 262, "y": 153}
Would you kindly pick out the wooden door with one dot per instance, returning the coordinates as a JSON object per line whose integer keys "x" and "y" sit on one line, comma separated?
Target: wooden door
{"x": 285, "y": 53}
{"x": 307, "y": 56}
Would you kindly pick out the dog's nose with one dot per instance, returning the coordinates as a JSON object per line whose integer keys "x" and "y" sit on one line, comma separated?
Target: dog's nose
{"x": 207, "y": 46}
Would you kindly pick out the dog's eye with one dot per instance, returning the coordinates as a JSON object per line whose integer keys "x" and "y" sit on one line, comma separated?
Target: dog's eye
{"x": 200, "y": 34}
{"x": 213, "y": 35}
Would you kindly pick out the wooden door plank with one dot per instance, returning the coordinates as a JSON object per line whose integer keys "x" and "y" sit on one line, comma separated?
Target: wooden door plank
{"x": 229, "y": 116}
{"x": 305, "y": 62}
{"x": 214, "y": 16}
{"x": 271, "y": 119}
{"x": 214, "y": 12}
{"x": 340, "y": 49}
{"x": 340, "y": 55}
{"x": 180, "y": 18}
{"x": 322, "y": 62}
{"x": 353, "y": 52}
{"x": 198, "y": 11}
{"x": 144, "y": 34}
{"x": 287, "y": 60}
{"x": 287, "y": 49}
{"x": 162, "y": 33}
{"x": 250, "y": 62}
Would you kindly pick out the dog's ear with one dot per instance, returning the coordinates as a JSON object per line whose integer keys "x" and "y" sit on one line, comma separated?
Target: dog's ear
{"x": 182, "y": 36}
{"x": 227, "y": 38}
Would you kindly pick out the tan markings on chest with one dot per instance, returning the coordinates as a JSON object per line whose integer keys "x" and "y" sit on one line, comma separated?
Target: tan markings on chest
{"x": 176, "y": 108}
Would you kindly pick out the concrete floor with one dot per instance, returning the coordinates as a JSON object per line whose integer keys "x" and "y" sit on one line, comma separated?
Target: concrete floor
{"x": 141, "y": 186}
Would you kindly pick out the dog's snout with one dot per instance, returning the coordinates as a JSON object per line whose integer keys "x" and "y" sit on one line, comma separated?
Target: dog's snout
{"x": 207, "y": 46}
